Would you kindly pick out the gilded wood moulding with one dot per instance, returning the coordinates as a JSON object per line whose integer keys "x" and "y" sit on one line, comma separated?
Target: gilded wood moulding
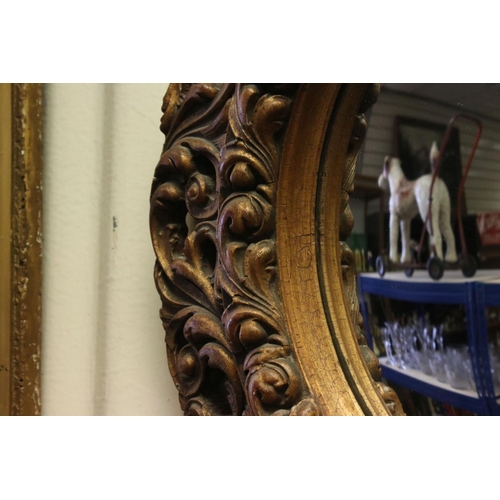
{"x": 249, "y": 216}
{"x": 20, "y": 247}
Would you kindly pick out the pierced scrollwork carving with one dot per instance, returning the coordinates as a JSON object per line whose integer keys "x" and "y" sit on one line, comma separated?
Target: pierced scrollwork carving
{"x": 214, "y": 230}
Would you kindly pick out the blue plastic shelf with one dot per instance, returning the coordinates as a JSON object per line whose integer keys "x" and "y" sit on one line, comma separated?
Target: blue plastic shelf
{"x": 474, "y": 294}
{"x": 428, "y": 386}
{"x": 487, "y": 294}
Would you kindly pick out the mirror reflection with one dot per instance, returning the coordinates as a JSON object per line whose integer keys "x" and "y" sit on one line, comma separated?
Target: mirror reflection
{"x": 426, "y": 242}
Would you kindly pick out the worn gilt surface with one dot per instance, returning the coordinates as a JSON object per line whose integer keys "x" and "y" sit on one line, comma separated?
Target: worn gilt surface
{"x": 347, "y": 256}
{"x": 213, "y": 226}
{"x": 25, "y": 342}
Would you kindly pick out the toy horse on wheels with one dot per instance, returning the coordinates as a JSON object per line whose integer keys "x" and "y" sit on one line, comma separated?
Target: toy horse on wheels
{"x": 429, "y": 197}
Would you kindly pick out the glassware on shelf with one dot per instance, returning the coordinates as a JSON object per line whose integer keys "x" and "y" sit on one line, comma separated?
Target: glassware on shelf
{"x": 420, "y": 346}
{"x": 438, "y": 355}
{"x": 401, "y": 345}
{"x": 424, "y": 334}
{"x": 395, "y": 343}
{"x": 412, "y": 344}
{"x": 424, "y": 362}
{"x": 457, "y": 360}
{"x": 437, "y": 364}
{"x": 386, "y": 340}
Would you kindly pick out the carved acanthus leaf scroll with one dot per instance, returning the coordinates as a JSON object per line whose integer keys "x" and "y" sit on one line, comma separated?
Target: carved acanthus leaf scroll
{"x": 214, "y": 231}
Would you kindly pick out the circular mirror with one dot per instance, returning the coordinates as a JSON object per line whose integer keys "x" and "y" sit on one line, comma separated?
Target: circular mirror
{"x": 249, "y": 217}
{"x": 251, "y": 223}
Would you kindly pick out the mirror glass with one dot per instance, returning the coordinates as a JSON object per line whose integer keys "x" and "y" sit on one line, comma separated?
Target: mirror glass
{"x": 429, "y": 280}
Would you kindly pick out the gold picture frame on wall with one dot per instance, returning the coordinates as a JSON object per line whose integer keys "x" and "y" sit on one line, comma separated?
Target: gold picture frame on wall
{"x": 20, "y": 247}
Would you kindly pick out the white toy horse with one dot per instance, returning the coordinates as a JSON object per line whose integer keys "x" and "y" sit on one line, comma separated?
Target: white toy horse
{"x": 408, "y": 198}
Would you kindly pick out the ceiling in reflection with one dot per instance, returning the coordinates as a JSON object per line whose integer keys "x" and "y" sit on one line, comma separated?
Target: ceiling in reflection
{"x": 482, "y": 98}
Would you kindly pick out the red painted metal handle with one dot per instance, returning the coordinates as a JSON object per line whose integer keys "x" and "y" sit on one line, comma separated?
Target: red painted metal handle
{"x": 462, "y": 182}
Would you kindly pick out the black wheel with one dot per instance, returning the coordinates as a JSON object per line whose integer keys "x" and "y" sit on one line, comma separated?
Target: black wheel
{"x": 380, "y": 265}
{"x": 435, "y": 268}
{"x": 409, "y": 271}
{"x": 469, "y": 266}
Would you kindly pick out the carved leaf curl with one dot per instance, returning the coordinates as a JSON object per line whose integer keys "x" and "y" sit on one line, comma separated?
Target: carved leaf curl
{"x": 246, "y": 217}
{"x": 256, "y": 119}
{"x": 185, "y": 105}
{"x": 247, "y": 327}
{"x": 252, "y": 271}
{"x": 190, "y": 271}
{"x": 186, "y": 173}
{"x": 273, "y": 381}
{"x": 196, "y": 346}
{"x": 189, "y": 329}
{"x": 185, "y": 182}
{"x": 248, "y": 272}
{"x": 239, "y": 168}
{"x": 199, "y": 406}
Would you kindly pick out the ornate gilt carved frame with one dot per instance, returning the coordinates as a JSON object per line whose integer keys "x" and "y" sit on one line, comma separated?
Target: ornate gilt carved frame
{"x": 20, "y": 247}
{"x": 249, "y": 216}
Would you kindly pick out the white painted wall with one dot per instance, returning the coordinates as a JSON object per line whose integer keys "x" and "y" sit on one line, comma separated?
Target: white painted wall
{"x": 103, "y": 343}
